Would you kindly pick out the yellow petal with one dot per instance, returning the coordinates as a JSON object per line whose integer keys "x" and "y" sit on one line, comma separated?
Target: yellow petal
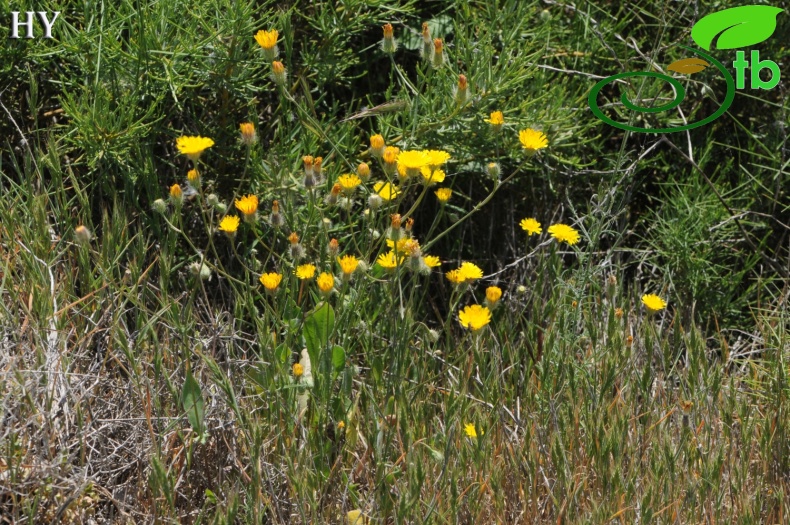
{"x": 687, "y": 66}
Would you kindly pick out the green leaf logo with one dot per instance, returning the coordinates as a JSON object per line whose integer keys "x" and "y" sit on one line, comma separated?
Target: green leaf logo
{"x": 736, "y": 27}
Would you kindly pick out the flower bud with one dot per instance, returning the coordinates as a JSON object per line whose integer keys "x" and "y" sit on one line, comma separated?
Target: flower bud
{"x": 462, "y": 91}
{"x": 375, "y": 201}
{"x": 279, "y": 75}
{"x": 377, "y": 145}
{"x": 363, "y": 171}
{"x": 438, "y": 53}
{"x": 493, "y": 170}
{"x": 82, "y": 234}
{"x": 248, "y": 134}
{"x": 159, "y": 206}
{"x": 388, "y": 44}
{"x": 427, "y": 42}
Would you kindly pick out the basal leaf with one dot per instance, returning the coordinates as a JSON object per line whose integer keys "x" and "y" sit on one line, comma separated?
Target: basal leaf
{"x": 736, "y": 27}
{"x": 192, "y": 402}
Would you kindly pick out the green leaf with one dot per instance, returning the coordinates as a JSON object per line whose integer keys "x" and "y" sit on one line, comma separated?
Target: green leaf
{"x": 736, "y": 27}
{"x": 317, "y": 328}
{"x": 338, "y": 358}
{"x": 283, "y": 353}
{"x": 192, "y": 402}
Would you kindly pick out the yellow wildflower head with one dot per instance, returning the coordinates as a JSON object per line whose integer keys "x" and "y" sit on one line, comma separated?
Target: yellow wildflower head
{"x": 444, "y": 194}
{"x": 431, "y": 261}
{"x": 193, "y": 147}
{"x": 293, "y": 238}
{"x": 436, "y": 157}
{"x": 564, "y": 233}
{"x": 193, "y": 176}
{"x": 305, "y": 271}
{"x": 653, "y": 302}
{"x": 531, "y": 226}
{"x": 389, "y": 260}
{"x": 454, "y": 276}
{"x": 390, "y": 155}
{"x": 412, "y": 161}
{"x": 298, "y": 370}
{"x": 386, "y": 190}
{"x": 326, "y": 283}
{"x": 532, "y": 140}
{"x": 248, "y": 206}
{"x": 432, "y": 177}
{"x": 349, "y": 182}
{"x": 469, "y": 430}
{"x": 470, "y": 271}
{"x": 497, "y": 119}
{"x": 268, "y": 41}
{"x": 271, "y": 281}
{"x": 229, "y": 224}
{"x": 474, "y": 317}
{"x": 493, "y": 295}
{"x": 348, "y": 264}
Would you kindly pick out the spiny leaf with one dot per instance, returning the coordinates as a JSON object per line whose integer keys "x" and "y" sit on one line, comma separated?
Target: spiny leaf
{"x": 687, "y": 66}
{"x": 736, "y": 27}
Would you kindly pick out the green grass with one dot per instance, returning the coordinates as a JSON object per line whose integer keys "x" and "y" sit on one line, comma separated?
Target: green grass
{"x": 135, "y": 391}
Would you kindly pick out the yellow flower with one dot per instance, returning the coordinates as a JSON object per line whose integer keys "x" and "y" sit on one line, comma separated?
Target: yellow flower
{"x": 248, "y": 206}
{"x": 653, "y": 302}
{"x": 193, "y": 176}
{"x": 413, "y": 161}
{"x": 470, "y": 271}
{"x": 348, "y": 264}
{"x": 496, "y": 119}
{"x": 298, "y": 370}
{"x": 305, "y": 271}
{"x": 474, "y": 317}
{"x": 431, "y": 261}
{"x": 564, "y": 233}
{"x": 271, "y": 281}
{"x": 229, "y": 224}
{"x": 386, "y": 190}
{"x": 400, "y": 245}
{"x": 531, "y": 226}
{"x": 436, "y": 157}
{"x": 355, "y": 517}
{"x": 470, "y": 431}
{"x": 278, "y": 73}
{"x": 325, "y": 282}
{"x": 349, "y": 182}
{"x": 432, "y": 177}
{"x": 389, "y": 260}
{"x": 532, "y": 140}
{"x": 193, "y": 147}
{"x": 454, "y": 276}
{"x": 268, "y": 41}
{"x": 493, "y": 294}
{"x": 444, "y": 194}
